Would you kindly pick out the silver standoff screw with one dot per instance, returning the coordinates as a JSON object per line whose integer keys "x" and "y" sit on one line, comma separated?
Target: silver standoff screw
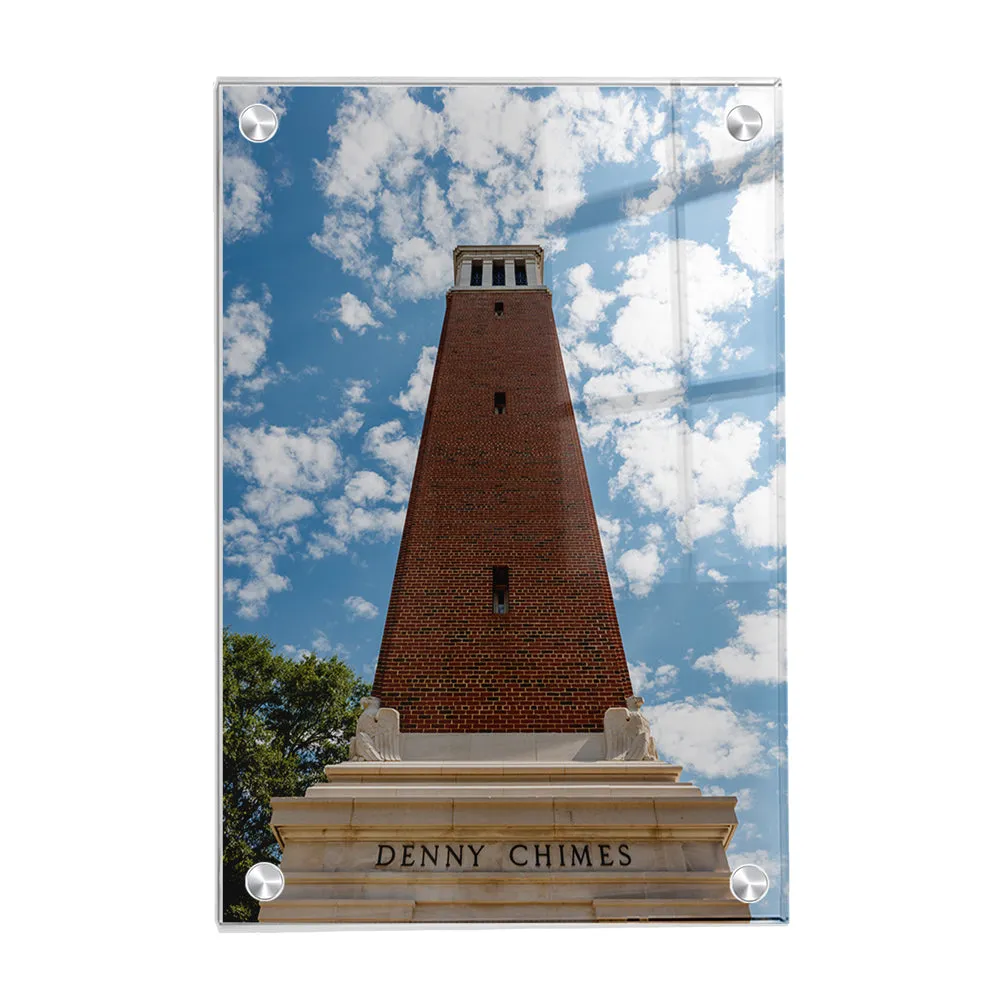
{"x": 258, "y": 123}
{"x": 744, "y": 122}
{"x": 749, "y": 883}
{"x": 264, "y": 881}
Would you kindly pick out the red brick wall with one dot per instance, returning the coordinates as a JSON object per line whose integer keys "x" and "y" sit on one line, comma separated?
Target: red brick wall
{"x": 507, "y": 490}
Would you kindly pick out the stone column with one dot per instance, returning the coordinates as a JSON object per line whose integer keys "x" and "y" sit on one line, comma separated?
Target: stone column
{"x": 465, "y": 273}
{"x": 508, "y": 267}
{"x": 531, "y": 267}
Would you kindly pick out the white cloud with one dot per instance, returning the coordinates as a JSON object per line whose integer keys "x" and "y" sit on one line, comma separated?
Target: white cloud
{"x": 389, "y": 444}
{"x": 321, "y": 644}
{"x": 414, "y": 397}
{"x": 352, "y": 523}
{"x": 777, "y": 418}
{"x": 514, "y": 167}
{"x": 253, "y": 594}
{"x": 273, "y": 506}
{"x": 372, "y": 508}
{"x": 716, "y": 576}
{"x": 639, "y": 676}
{"x": 242, "y": 409}
{"x": 708, "y": 736}
{"x": 351, "y": 419}
{"x": 681, "y": 154}
{"x": 244, "y": 197}
{"x": 667, "y": 180}
{"x": 756, "y": 517}
{"x": 644, "y": 567}
{"x": 377, "y": 137}
{"x": 584, "y": 314}
{"x": 365, "y": 486}
{"x": 585, "y": 309}
{"x": 652, "y": 679}
{"x": 754, "y": 653}
{"x": 700, "y": 521}
{"x": 666, "y": 673}
{"x": 345, "y": 236}
{"x": 424, "y": 269}
{"x": 694, "y": 473}
{"x": 284, "y": 459}
{"x": 753, "y": 236}
{"x": 636, "y": 372}
{"x": 355, "y": 313}
{"x": 355, "y": 392}
{"x": 322, "y": 543}
{"x": 247, "y": 547}
{"x": 246, "y": 328}
{"x": 648, "y": 328}
{"x": 358, "y": 607}
{"x": 282, "y": 464}
{"x": 238, "y": 525}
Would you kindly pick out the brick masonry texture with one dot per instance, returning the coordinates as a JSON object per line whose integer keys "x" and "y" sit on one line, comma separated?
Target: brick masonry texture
{"x": 500, "y": 490}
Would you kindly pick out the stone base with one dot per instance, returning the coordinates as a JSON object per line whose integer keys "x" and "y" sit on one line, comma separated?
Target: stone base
{"x": 486, "y": 747}
{"x": 529, "y": 840}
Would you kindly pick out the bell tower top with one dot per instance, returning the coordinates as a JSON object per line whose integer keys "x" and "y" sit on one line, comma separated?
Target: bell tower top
{"x": 518, "y": 266}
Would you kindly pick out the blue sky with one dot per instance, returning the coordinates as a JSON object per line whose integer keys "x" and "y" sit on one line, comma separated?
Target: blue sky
{"x": 663, "y": 257}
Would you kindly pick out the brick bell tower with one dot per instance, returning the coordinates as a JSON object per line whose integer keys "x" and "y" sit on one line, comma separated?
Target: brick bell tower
{"x": 502, "y": 769}
{"x": 501, "y": 617}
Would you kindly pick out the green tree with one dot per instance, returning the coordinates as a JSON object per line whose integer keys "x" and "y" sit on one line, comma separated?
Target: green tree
{"x": 282, "y": 722}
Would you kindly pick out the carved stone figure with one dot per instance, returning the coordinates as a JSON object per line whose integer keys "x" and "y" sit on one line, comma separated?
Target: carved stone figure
{"x": 626, "y": 733}
{"x": 377, "y": 733}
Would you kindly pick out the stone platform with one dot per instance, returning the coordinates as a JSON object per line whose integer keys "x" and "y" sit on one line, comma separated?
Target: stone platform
{"x": 525, "y": 840}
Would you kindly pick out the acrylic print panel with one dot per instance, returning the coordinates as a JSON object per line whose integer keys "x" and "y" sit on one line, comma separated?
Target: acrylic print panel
{"x": 503, "y": 567}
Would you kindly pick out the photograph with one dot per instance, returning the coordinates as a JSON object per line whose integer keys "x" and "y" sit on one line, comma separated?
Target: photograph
{"x": 501, "y": 456}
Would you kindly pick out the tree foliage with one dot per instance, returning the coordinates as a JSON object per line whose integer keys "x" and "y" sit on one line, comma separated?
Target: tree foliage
{"x": 283, "y": 721}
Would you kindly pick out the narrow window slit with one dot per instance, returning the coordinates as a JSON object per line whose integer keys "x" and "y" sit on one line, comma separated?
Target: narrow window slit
{"x": 501, "y": 586}
{"x": 499, "y": 402}
{"x": 498, "y": 308}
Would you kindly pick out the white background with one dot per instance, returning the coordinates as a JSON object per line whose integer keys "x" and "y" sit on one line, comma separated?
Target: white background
{"x": 108, "y": 469}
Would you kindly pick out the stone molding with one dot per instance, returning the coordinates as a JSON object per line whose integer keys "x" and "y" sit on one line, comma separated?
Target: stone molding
{"x": 511, "y": 747}
{"x": 531, "y": 841}
{"x": 600, "y": 773}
